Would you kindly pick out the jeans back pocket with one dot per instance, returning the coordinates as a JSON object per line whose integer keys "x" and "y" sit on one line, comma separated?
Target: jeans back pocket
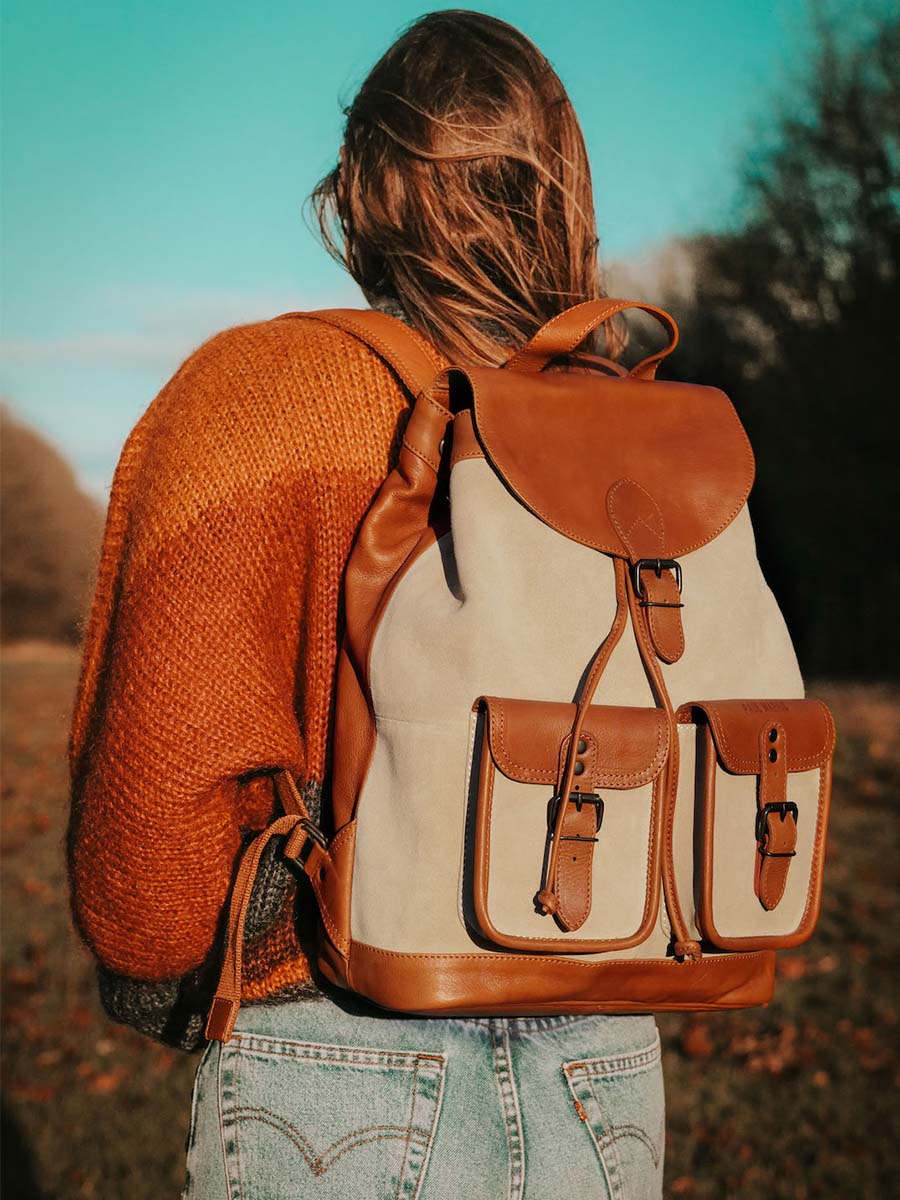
{"x": 621, "y": 1101}
{"x": 301, "y": 1118}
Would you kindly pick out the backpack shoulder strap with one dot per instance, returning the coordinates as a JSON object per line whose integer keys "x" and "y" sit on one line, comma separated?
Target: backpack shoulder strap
{"x": 408, "y": 354}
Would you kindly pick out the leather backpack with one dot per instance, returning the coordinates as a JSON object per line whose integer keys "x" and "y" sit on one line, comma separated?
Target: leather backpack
{"x": 573, "y": 765}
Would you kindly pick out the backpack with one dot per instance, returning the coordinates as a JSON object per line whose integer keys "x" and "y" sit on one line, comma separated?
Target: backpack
{"x": 573, "y": 767}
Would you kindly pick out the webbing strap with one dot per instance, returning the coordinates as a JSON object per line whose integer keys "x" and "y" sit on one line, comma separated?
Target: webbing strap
{"x": 302, "y": 830}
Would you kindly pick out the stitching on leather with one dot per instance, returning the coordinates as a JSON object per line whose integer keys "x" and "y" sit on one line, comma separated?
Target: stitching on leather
{"x": 441, "y": 409}
{"x": 625, "y": 536}
{"x": 505, "y": 759}
{"x": 660, "y": 637}
{"x": 358, "y": 328}
{"x": 598, "y": 945}
{"x": 772, "y": 940}
{"x": 676, "y": 552}
{"x": 342, "y": 835}
{"x": 423, "y": 457}
{"x": 342, "y": 943}
{"x": 529, "y": 356}
{"x": 497, "y": 957}
{"x": 802, "y": 764}
{"x": 437, "y": 359}
{"x": 564, "y": 876}
{"x": 670, "y": 886}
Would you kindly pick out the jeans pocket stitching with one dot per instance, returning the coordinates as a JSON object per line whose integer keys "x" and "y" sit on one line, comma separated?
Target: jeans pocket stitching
{"x": 426, "y": 1066}
{"x": 320, "y": 1163}
{"x": 617, "y": 1064}
{"x": 581, "y": 1076}
{"x": 360, "y": 1056}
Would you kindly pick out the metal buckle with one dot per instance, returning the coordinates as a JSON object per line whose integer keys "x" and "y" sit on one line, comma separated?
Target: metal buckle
{"x": 657, "y": 565}
{"x": 784, "y": 808}
{"x": 313, "y": 835}
{"x": 309, "y": 825}
{"x": 579, "y": 799}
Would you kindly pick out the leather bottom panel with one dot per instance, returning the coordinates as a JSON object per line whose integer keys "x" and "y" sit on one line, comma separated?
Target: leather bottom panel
{"x": 507, "y": 984}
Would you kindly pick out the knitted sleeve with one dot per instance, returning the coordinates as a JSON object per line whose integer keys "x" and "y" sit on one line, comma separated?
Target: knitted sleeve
{"x": 189, "y": 685}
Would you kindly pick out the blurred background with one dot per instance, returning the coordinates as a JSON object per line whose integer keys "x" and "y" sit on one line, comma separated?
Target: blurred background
{"x": 746, "y": 162}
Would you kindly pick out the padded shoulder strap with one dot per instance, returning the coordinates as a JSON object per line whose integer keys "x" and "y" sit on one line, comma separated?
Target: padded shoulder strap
{"x": 407, "y": 353}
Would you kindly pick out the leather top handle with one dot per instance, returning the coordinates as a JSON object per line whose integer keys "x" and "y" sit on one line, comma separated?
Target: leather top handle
{"x": 563, "y": 333}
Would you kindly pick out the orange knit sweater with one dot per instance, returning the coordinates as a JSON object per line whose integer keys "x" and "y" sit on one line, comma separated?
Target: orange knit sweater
{"x": 212, "y": 639}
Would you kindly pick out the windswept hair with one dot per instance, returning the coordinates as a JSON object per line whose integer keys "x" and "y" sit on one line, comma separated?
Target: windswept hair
{"x": 463, "y": 194}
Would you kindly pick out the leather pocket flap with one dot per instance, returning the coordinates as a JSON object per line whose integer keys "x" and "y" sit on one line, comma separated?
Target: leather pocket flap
{"x": 739, "y": 730}
{"x": 625, "y": 747}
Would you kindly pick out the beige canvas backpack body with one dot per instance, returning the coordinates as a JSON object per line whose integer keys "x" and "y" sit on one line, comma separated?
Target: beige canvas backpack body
{"x": 573, "y": 765}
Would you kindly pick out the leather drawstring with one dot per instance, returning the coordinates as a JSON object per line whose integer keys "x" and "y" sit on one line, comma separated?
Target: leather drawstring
{"x": 627, "y": 604}
{"x": 684, "y": 945}
{"x": 547, "y": 899}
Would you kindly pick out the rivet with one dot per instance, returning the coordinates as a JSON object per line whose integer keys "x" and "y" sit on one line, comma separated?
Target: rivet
{"x": 773, "y": 735}
{"x": 579, "y": 768}
{"x": 582, "y": 745}
{"x": 773, "y": 755}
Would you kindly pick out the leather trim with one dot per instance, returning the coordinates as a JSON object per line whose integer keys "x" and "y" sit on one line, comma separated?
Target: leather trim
{"x": 408, "y": 354}
{"x": 705, "y": 919}
{"x": 402, "y": 522}
{"x": 465, "y": 443}
{"x": 561, "y": 941}
{"x": 691, "y": 450}
{"x": 506, "y": 984}
{"x": 737, "y": 724}
{"x": 630, "y": 745}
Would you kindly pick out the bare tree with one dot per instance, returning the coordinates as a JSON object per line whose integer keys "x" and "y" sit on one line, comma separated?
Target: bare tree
{"x": 796, "y": 316}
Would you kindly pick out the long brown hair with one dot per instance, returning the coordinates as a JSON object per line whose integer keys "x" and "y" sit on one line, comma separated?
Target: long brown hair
{"x": 463, "y": 195}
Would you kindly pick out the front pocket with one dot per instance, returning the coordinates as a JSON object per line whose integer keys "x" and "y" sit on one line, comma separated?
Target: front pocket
{"x": 609, "y": 860}
{"x": 621, "y": 1102}
{"x": 761, "y": 789}
{"x": 337, "y": 1122}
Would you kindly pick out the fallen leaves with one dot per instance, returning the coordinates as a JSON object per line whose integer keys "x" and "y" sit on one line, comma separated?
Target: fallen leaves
{"x": 696, "y": 1042}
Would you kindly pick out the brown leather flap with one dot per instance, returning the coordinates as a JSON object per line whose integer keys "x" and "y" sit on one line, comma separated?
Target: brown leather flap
{"x": 625, "y": 747}
{"x": 561, "y": 439}
{"x": 738, "y": 729}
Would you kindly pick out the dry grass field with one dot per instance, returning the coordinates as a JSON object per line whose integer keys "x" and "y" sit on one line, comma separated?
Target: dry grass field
{"x": 796, "y": 1100}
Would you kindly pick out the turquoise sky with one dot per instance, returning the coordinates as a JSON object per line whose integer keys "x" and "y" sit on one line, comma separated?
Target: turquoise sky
{"x": 156, "y": 156}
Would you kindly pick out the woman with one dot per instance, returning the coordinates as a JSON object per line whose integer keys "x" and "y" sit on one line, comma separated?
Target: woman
{"x": 463, "y": 207}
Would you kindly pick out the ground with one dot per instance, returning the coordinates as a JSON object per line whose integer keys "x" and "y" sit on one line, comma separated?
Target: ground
{"x": 791, "y": 1101}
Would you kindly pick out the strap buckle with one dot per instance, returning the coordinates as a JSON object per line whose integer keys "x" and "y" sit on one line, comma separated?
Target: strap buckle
{"x": 300, "y": 841}
{"x": 784, "y": 809}
{"x": 579, "y": 799}
{"x": 657, "y": 565}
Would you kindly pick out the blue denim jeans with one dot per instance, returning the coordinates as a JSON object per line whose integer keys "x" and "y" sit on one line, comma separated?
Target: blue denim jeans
{"x": 335, "y": 1099}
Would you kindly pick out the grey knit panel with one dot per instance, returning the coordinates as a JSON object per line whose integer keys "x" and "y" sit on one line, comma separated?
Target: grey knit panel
{"x": 173, "y": 1011}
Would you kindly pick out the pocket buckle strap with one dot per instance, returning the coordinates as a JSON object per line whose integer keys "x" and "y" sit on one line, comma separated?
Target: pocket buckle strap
{"x": 784, "y": 809}
{"x": 579, "y": 799}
